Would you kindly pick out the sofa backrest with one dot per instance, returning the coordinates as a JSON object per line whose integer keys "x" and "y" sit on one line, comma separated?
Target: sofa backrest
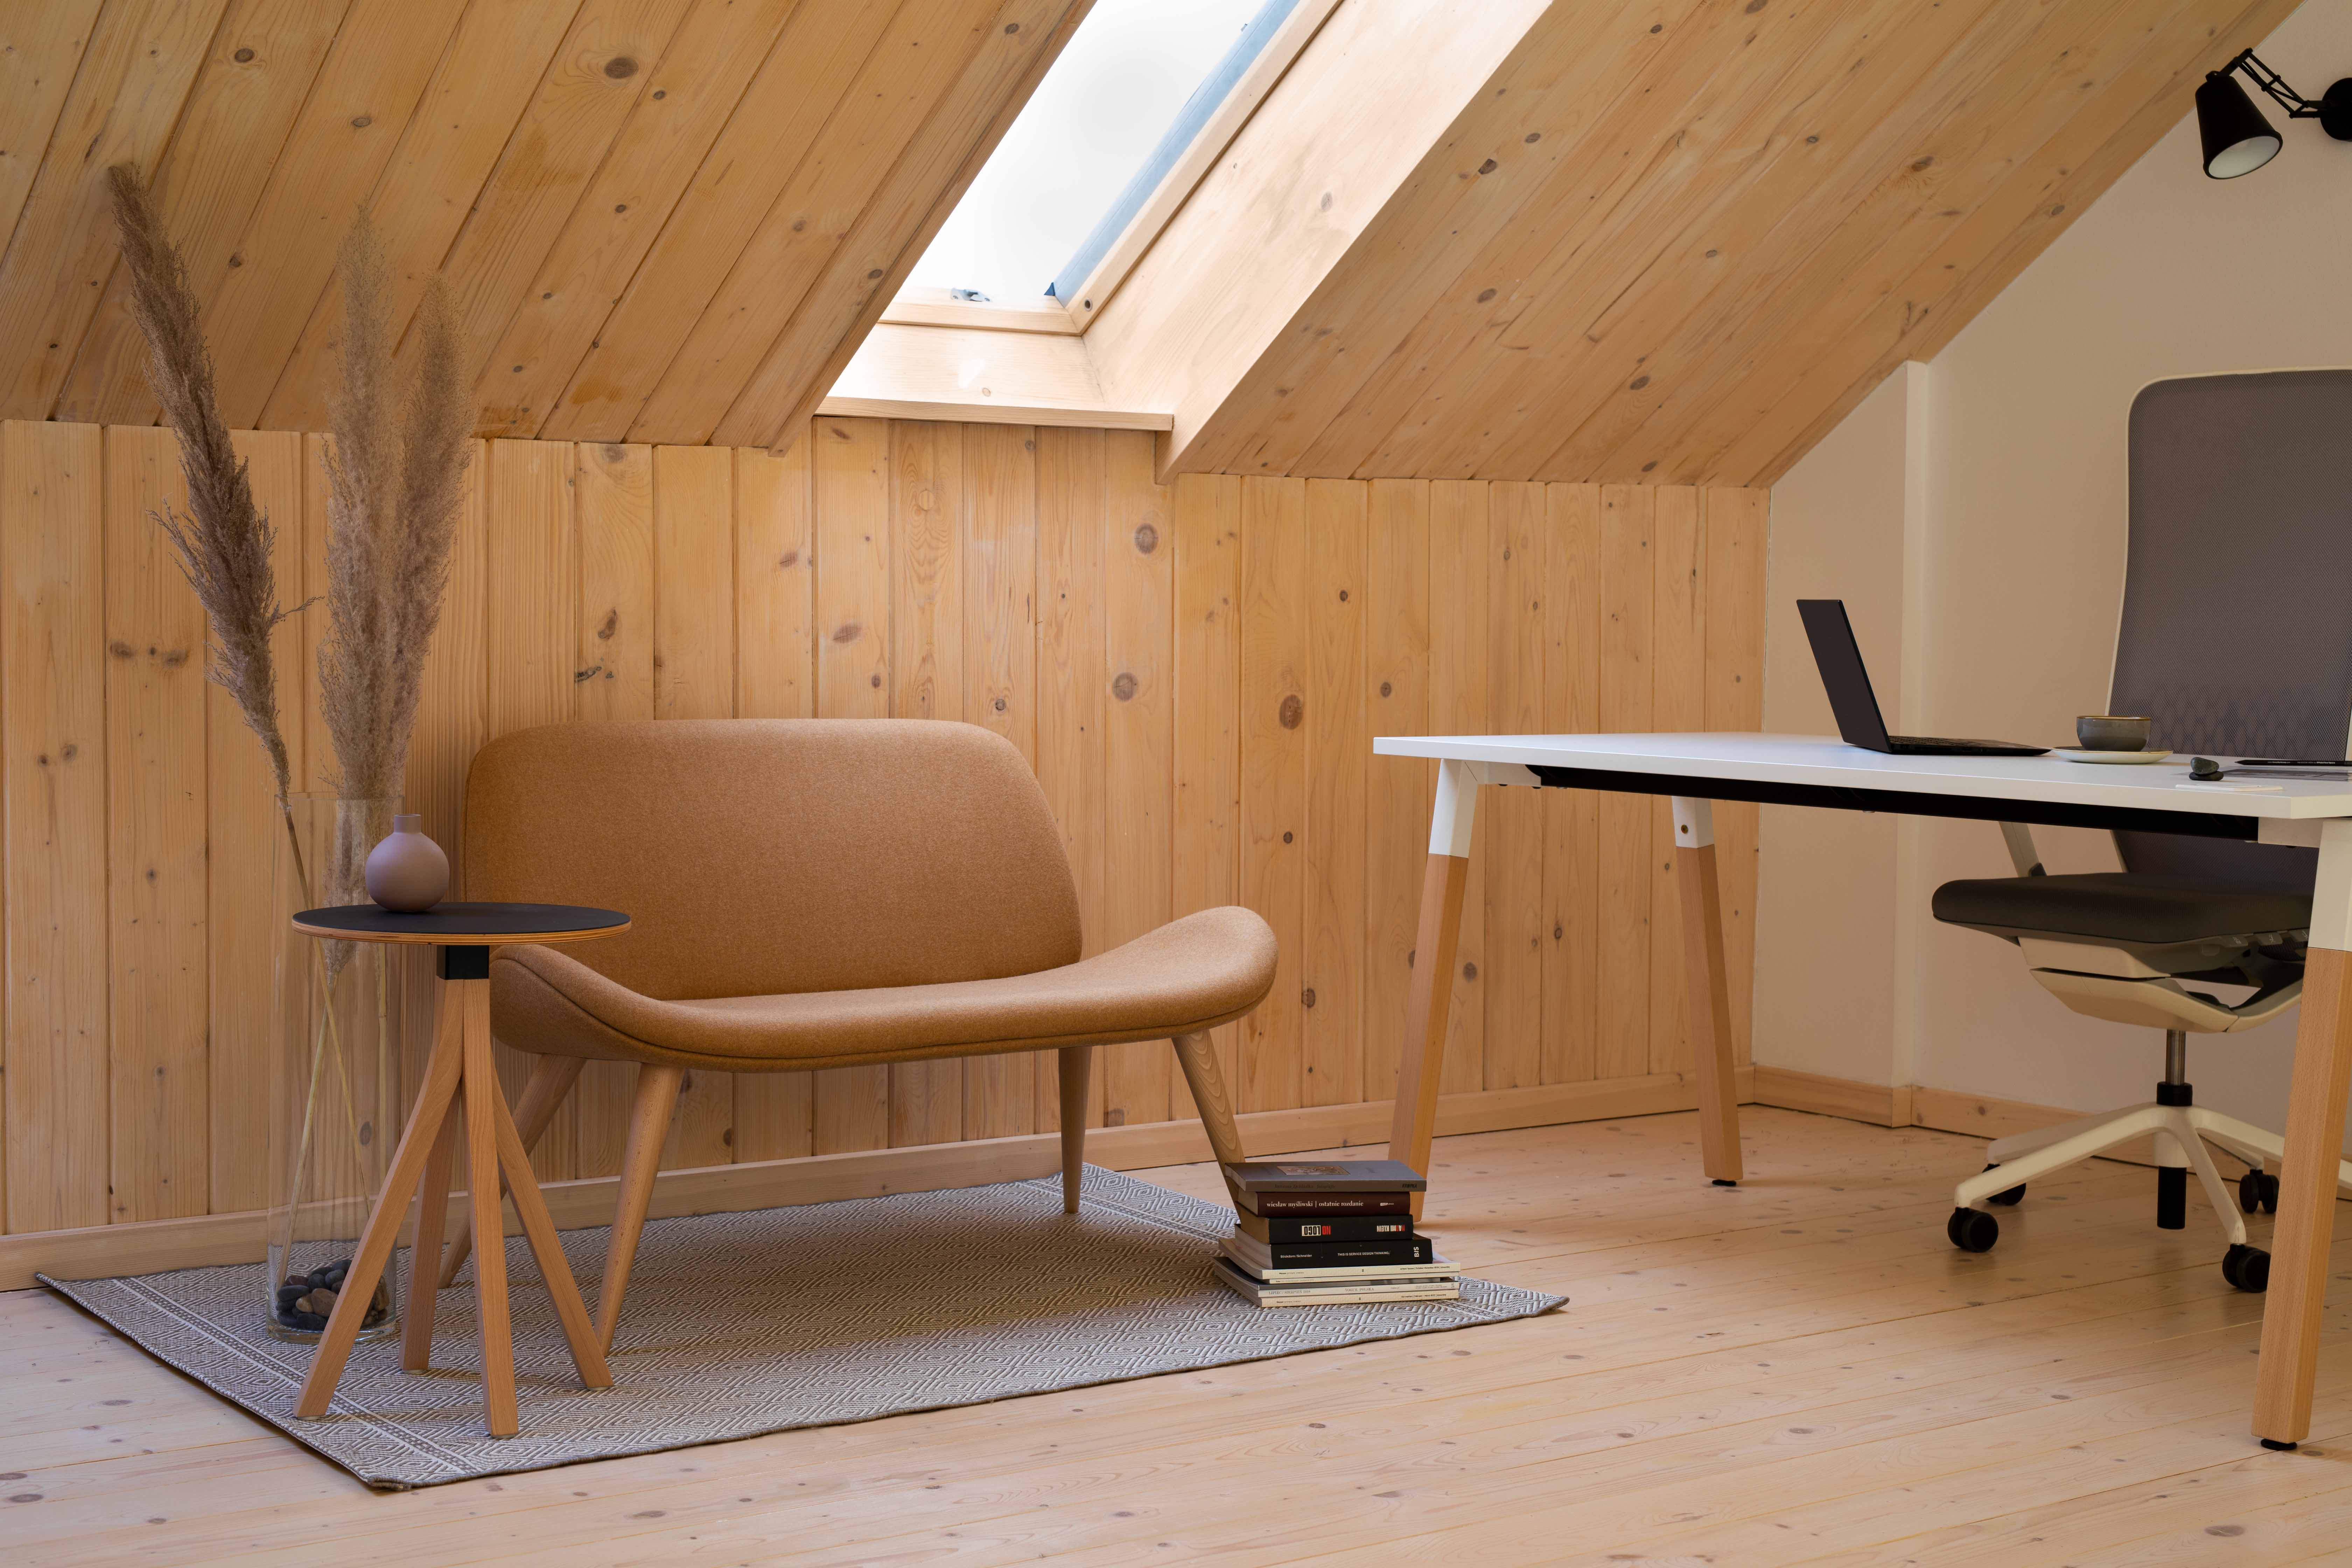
{"x": 756, "y": 856}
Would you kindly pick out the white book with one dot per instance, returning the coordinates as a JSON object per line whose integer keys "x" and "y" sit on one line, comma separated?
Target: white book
{"x": 1249, "y": 1255}
{"x": 1336, "y": 1293}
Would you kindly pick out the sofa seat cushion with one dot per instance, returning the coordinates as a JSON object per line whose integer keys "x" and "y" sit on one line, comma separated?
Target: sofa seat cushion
{"x": 1191, "y": 974}
{"x": 2118, "y": 906}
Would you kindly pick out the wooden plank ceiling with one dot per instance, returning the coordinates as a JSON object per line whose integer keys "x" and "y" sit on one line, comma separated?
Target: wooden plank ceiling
{"x": 1670, "y": 241}
{"x": 664, "y": 220}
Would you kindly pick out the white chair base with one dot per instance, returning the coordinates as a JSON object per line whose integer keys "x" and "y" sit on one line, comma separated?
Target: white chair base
{"x": 2182, "y": 1133}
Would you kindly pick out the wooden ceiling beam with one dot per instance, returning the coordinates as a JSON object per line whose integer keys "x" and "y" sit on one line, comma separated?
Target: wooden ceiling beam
{"x": 1904, "y": 315}
{"x": 128, "y": 88}
{"x": 494, "y": 64}
{"x": 783, "y": 117}
{"x": 246, "y": 94}
{"x": 689, "y": 96}
{"x": 1018, "y": 46}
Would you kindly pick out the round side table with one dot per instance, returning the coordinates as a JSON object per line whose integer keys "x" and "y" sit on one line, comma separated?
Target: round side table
{"x": 459, "y": 1068}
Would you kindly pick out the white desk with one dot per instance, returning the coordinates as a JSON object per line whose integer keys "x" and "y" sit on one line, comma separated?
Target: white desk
{"x": 1697, "y": 769}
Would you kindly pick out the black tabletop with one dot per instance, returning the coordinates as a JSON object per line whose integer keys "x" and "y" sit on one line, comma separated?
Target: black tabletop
{"x": 458, "y": 924}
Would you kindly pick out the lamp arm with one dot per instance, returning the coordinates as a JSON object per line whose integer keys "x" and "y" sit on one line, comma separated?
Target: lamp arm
{"x": 2297, "y": 106}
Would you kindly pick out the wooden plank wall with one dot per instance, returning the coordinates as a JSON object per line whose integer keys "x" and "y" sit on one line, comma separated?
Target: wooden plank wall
{"x": 1195, "y": 672}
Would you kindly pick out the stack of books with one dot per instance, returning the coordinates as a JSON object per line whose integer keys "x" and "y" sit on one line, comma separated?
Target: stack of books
{"x": 1317, "y": 1232}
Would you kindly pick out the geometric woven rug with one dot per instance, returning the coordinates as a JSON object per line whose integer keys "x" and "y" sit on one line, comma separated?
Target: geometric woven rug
{"x": 739, "y": 1324}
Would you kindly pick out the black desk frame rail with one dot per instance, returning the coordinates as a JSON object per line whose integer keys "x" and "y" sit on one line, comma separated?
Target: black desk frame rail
{"x": 1905, "y": 802}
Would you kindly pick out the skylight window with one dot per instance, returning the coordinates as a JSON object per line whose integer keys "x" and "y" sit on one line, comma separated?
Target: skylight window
{"x": 1128, "y": 92}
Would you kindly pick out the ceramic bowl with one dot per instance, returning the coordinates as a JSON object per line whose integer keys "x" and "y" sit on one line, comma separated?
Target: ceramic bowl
{"x": 2111, "y": 733}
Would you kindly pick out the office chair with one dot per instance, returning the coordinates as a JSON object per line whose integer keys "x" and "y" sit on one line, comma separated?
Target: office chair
{"x": 2236, "y": 639}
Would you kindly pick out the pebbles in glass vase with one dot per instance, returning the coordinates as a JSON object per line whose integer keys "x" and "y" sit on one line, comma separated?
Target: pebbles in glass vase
{"x": 305, "y": 1301}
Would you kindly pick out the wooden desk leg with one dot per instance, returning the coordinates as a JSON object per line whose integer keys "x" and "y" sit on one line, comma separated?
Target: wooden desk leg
{"x": 2315, "y": 1138}
{"x": 483, "y": 1101}
{"x": 1710, "y": 990}
{"x": 432, "y": 1212}
{"x": 1422, "y": 1061}
{"x": 432, "y": 1106}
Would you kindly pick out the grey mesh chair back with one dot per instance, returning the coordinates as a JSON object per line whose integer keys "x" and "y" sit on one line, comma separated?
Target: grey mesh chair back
{"x": 2236, "y": 636}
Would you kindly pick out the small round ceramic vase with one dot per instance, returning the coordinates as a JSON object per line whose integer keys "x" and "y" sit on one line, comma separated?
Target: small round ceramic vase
{"x": 407, "y": 872}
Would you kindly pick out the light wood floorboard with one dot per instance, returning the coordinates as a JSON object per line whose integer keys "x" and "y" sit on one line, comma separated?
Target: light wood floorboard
{"x": 1799, "y": 1370}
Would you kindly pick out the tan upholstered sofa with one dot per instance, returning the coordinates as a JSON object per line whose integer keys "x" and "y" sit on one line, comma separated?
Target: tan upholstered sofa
{"x": 815, "y": 893}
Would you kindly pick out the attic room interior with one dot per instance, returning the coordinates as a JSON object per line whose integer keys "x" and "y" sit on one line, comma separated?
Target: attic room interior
{"x": 1122, "y": 776}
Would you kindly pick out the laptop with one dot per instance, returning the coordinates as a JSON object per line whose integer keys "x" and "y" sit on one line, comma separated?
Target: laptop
{"x": 1856, "y": 705}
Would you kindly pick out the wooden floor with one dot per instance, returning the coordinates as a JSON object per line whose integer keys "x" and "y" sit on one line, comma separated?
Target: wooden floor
{"x": 1798, "y": 1370}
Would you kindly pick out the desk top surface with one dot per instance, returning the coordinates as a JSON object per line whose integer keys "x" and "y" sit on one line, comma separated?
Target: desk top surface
{"x": 1821, "y": 760}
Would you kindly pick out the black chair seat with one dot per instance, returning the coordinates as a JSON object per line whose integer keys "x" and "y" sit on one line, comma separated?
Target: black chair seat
{"x": 2119, "y": 906}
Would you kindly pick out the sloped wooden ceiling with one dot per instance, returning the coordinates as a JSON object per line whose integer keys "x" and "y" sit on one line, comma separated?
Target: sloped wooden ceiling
{"x": 664, "y": 220}
{"x": 1664, "y": 241}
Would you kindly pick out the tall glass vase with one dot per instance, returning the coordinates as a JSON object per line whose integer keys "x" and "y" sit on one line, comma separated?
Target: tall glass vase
{"x": 341, "y": 1029}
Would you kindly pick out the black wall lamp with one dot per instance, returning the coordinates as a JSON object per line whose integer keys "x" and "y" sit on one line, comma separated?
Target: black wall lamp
{"x": 2238, "y": 140}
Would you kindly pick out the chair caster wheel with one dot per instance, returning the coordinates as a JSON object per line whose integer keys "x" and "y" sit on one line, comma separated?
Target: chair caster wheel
{"x": 2258, "y": 1190}
{"x": 1972, "y": 1230}
{"x": 2247, "y": 1267}
{"x": 2008, "y": 1197}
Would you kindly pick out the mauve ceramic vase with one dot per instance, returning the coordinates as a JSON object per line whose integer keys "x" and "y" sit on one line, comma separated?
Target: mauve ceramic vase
{"x": 407, "y": 872}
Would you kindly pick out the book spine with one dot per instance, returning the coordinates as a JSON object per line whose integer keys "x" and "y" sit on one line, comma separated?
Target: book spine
{"x": 1367, "y": 1229}
{"x": 1350, "y": 1254}
{"x": 1328, "y": 1206}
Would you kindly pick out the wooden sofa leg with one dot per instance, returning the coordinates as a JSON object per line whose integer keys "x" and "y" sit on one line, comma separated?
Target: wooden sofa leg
{"x": 1208, "y": 1085}
{"x": 1075, "y": 1060}
{"x": 552, "y": 1078}
{"x": 649, "y": 1116}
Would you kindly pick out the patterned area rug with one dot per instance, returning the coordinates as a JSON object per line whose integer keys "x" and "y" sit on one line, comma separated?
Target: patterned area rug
{"x": 739, "y": 1324}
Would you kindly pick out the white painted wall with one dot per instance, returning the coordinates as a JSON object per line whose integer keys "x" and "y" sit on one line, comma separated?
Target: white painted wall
{"x": 2011, "y": 541}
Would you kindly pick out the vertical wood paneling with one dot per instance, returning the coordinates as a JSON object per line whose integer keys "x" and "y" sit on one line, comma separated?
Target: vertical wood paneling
{"x": 1207, "y": 587}
{"x": 1621, "y": 1037}
{"x": 927, "y": 682}
{"x": 775, "y": 678}
{"x": 242, "y": 820}
{"x": 999, "y": 555}
{"x": 1196, "y": 674}
{"x": 1513, "y": 832}
{"x": 1138, "y": 744}
{"x": 1070, "y": 690}
{"x": 1458, "y": 651}
{"x": 694, "y": 678}
{"x": 53, "y": 698}
{"x": 451, "y": 718}
{"x": 1677, "y": 701}
{"x": 531, "y": 639}
{"x": 1569, "y": 927}
{"x": 850, "y": 471}
{"x": 1331, "y": 956}
{"x": 1274, "y": 719}
{"x": 1735, "y": 527}
{"x": 160, "y": 1082}
{"x": 1396, "y": 789}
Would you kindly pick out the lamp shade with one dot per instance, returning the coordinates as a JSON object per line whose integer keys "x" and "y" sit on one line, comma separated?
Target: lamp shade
{"x": 2238, "y": 140}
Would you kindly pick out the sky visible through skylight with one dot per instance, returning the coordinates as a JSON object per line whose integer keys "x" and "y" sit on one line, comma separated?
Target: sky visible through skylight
{"x": 1099, "y": 111}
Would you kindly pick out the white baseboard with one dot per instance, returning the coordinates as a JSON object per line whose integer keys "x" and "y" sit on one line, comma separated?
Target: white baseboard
{"x": 150, "y": 1245}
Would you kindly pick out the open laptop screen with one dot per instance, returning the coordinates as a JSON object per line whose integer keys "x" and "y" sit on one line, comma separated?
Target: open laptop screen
{"x": 1843, "y": 675}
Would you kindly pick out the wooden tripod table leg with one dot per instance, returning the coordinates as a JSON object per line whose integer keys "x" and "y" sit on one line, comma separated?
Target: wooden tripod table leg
{"x": 441, "y": 1073}
{"x": 432, "y": 1212}
{"x": 587, "y": 1353}
{"x": 1710, "y": 991}
{"x": 1422, "y": 1063}
{"x": 550, "y": 1080}
{"x": 483, "y": 1102}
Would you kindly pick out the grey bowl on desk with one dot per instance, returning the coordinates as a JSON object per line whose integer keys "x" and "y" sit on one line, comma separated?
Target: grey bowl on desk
{"x": 2112, "y": 732}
